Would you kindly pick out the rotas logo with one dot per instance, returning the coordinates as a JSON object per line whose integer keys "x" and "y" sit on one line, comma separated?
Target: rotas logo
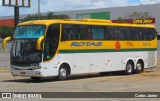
{"x": 79, "y": 44}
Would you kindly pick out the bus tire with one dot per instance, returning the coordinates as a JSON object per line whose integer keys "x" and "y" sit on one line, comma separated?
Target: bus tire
{"x": 63, "y": 72}
{"x": 129, "y": 68}
{"x": 139, "y": 67}
{"x": 36, "y": 78}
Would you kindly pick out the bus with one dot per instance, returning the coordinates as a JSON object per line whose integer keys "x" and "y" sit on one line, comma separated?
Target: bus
{"x": 59, "y": 48}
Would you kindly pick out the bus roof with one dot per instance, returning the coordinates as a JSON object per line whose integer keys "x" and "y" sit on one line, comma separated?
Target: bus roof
{"x": 84, "y": 21}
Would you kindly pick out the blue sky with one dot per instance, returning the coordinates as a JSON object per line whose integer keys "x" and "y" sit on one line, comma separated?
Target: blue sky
{"x": 68, "y": 5}
{"x": 134, "y": 1}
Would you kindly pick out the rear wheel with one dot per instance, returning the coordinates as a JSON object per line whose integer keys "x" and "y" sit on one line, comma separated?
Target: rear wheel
{"x": 129, "y": 68}
{"x": 63, "y": 73}
{"x": 139, "y": 67}
{"x": 36, "y": 78}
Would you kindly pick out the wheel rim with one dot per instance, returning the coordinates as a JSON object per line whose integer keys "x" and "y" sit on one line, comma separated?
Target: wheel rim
{"x": 63, "y": 73}
{"x": 129, "y": 68}
{"x": 139, "y": 66}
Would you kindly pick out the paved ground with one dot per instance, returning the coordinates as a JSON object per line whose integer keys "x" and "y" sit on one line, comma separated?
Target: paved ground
{"x": 148, "y": 81}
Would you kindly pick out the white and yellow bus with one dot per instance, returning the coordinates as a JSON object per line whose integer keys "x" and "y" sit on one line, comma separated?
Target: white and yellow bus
{"x": 60, "y": 48}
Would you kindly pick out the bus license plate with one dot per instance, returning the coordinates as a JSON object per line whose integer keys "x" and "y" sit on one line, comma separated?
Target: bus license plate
{"x": 23, "y": 73}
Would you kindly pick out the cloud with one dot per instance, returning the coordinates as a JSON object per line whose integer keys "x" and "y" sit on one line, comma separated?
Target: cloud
{"x": 5, "y": 11}
{"x": 67, "y": 5}
{"x": 63, "y": 5}
{"x": 149, "y": 1}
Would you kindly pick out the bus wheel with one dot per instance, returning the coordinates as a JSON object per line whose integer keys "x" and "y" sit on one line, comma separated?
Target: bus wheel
{"x": 63, "y": 73}
{"x": 139, "y": 67}
{"x": 36, "y": 78}
{"x": 129, "y": 68}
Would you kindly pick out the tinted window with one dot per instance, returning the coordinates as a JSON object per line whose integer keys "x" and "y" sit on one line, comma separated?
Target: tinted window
{"x": 111, "y": 33}
{"x": 143, "y": 33}
{"x": 68, "y": 32}
{"x": 82, "y": 32}
{"x": 136, "y": 33}
{"x": 52, "y": 41}
{"x": 97, "y": 33}
{"x": 151, "y": 34}
{"x": 88, "y": 32}
{"x": 124, "y": 33}
{"x": 75, "y": 32}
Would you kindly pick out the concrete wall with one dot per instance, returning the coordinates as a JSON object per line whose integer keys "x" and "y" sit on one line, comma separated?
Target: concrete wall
{"x": 7, "y": 22}
{"x": 5, "y": 57}
{"x": 117, "y": 12}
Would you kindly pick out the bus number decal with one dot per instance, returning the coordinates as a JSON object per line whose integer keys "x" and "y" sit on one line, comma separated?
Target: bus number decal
{"x": 80, "y": 44}
{"x": 146, "y": 44}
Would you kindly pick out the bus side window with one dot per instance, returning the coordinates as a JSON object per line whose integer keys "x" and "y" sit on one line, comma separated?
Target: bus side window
{"x": 151, "y": 34}
{"x": 98, "y": 33}
{"x": 112, "y": 33}
{"x": 106, "y": 33}
{"x": 124, "y": 33}
{"x": 89, "y": 31}
{"x": 64, "y": 35}
{"x": 68, "y": 32}
{"x": 82, "y": 32}
{"x": 77, "y": 32}
{"x": 71, "y": 34}
{"x": 144, "y": 34}
{"x": 136, "y": 34}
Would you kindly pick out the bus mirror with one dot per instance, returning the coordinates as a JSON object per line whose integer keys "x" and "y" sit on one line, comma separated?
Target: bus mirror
{"x": 5, "y": 41}
{"x": 39, "y": 43}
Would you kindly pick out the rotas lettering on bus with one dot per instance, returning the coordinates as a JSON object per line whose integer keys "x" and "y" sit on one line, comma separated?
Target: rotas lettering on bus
{"x": 79, "y": 44}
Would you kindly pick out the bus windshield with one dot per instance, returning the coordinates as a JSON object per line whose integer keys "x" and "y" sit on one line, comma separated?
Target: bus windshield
{"x": 24, "y": 53}
{"x": 31, "y": 31}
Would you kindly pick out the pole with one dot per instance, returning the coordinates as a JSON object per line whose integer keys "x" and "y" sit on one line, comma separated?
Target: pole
{"x": 16, "y": 16}
{"x": 3, "y": 2}
{"x": 39, "y": 9}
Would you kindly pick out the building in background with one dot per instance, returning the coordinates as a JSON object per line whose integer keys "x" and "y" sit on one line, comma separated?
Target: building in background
{"x": 95, "y": 15}
{"x": 108, "y": 13}
{"x": 7, "y": 22}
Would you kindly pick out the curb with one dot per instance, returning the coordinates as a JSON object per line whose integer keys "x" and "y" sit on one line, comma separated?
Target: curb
{"x": 3, "y": 70}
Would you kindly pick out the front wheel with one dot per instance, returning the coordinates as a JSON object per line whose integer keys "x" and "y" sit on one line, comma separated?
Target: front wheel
{"x": 129, "y": 68}
{"x": 36, "y": 78}
{"x": 63, "y": 73}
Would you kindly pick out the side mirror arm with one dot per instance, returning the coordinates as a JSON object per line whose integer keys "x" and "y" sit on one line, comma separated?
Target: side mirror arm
{"x": 39, "y": 41}
{"x": 5, "y": 41}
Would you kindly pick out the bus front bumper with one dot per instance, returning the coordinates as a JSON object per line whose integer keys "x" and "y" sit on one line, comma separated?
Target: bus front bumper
{"x": 34, "y": 73}
{"x": 27, "y": 73}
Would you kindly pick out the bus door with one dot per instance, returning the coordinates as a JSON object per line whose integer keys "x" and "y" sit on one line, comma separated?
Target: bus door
{"x": 51, "y": 42}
